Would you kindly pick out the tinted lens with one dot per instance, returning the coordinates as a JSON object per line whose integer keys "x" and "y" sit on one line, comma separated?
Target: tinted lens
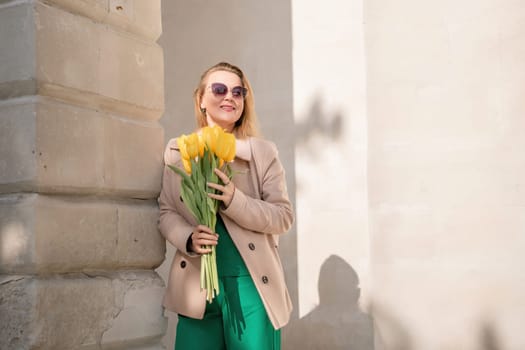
{"x": 239, "y": 91}
{"x": 219, "y": 89}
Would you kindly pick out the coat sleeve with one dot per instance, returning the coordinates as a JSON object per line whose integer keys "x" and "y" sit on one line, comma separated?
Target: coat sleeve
{"x": 172, "y": 225}
{"x": 272, "y": 213}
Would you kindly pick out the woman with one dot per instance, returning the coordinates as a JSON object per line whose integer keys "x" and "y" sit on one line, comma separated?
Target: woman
{"x": 253, "y": 302}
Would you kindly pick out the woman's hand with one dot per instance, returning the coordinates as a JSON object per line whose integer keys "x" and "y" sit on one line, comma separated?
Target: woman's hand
{"x": 203, "y": 236}
{"x": 228, "y": 189}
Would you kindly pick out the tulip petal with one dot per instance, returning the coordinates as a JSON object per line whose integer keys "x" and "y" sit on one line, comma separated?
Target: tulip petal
{"x": 187, "y": 165}
{"x": 192, "y": 145}
{"x": 181, "y": 142}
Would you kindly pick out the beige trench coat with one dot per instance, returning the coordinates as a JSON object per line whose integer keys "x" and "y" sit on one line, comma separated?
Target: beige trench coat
{"x": 260, "y": 211}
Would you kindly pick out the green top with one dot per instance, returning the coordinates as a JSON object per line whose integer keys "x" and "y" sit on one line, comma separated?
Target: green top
{"x": 229, "y": 260}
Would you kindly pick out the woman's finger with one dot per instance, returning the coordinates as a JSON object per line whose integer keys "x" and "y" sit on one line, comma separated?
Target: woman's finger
{"x": 203, "y": 228}
{"x": 201, "y": 250}
{"x": 201, "y": 237}
{"x": 216, "y": 186}
{"x": 224, "y": 178}
{"x": 204, "y": 238}
{"x": 225, "y": 197}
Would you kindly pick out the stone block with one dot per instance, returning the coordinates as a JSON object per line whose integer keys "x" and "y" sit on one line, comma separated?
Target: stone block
{"x": 79, "y": 54}
{"x": 141, "y": 17}
{"x": 17, "y": 311}
{"x": 131, "y": 70}
{"x": 81, "y": 312}
{"x": 49, "y": 234}
{"x": 140, "y": 244}
{"x": 53, "y": 147}
{"x": 17, "y": 45}
{"x": 55, "y": 53}
{"x": 17, "y": 145}
{"x": 67, "y": 49}
{"x": 137, "y": 316}
{"x": 133, "y": 157}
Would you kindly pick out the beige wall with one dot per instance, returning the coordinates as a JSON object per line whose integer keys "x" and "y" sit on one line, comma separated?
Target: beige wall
{"x": 331, "y": 157}
{"x": 446, "y": 81}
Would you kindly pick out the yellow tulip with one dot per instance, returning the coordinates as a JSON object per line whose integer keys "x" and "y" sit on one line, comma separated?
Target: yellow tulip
{"x": 181, "y": 142}
{"x": 192, "y": 146}
{"x": 225, "y": 149}
{"x": 187, "y": 165}
{"x": 221, "y": 148}
{"x": 210, "y": 135}
{"x": 201, "y": 145}
{"x": 230, "y": 139}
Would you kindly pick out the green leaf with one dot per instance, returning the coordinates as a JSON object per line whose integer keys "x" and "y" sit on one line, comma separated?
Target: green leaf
{"x": 189, "y": 201}
{"x": 212, "y": 205}
{"x": 179, "y": 171}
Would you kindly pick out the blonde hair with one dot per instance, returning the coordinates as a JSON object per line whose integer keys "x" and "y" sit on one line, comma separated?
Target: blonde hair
{"x": 247, "y": 124}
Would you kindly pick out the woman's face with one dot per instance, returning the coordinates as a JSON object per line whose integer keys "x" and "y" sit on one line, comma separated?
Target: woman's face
{"x": 223, "y": 99}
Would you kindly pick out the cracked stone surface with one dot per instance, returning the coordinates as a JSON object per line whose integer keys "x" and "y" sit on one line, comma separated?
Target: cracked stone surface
{"x": 81, "y": 92}
{"x": 78, "y": 310}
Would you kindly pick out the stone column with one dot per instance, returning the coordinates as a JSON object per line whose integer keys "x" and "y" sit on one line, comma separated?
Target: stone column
{"x": 81, "y": 92}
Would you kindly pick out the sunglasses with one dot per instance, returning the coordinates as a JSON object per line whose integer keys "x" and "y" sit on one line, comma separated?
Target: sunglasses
{"x": 219, "y": 89}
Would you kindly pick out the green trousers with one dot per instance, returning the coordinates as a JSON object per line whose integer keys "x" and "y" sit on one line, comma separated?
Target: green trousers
{"x": 235, "y": 320}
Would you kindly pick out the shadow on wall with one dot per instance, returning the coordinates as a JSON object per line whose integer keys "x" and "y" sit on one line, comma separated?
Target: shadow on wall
{"x": 391, "y": 333}
{"x": 337, "y": 322}
{"x": 489, "y": 337}
{"x": 318, "y": 122}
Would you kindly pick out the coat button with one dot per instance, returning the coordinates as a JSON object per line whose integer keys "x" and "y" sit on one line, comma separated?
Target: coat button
{"x": 265, "y": 279}
{"x": 183, "y": 264}
{"x": 251, "y": 246}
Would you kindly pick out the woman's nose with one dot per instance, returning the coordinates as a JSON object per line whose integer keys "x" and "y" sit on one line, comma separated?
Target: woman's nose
{"x": 229, "y": 95}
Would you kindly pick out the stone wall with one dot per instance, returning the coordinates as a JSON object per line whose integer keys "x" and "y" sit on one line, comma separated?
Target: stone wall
{"x": 81, "y": 92}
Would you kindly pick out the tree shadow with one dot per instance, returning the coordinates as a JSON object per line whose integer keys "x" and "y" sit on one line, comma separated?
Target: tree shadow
{"x": 392, "y": 334}
{"x": 488, "y": 337}
{"x": 337, "y": 322}
{"x": 318, "y": 122}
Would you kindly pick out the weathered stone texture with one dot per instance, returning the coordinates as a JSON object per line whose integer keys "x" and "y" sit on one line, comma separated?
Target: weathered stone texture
{"x": 77, "y": 60}
{"x": 50, "y": 146}
{"x": 17, "y": 144}
{"x": 81, "y": 89}
{"x": 51, "y": 234}
{"x": 137, "y": 318}
{"x": 80, "y": 312}
{"x": 17, "y": 302}
{"x": 120, "y": 13}
{"x": 17, "y": 58}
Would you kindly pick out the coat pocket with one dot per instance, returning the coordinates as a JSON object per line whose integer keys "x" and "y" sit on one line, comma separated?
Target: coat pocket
{"x": 184, "y": 295}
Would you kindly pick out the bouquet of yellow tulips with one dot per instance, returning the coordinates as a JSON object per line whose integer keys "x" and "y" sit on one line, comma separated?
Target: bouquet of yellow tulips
{"x": 201, "y": 153}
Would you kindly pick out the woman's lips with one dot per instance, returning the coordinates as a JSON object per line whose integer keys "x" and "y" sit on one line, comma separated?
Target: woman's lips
{"x": 227, "y": 108}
